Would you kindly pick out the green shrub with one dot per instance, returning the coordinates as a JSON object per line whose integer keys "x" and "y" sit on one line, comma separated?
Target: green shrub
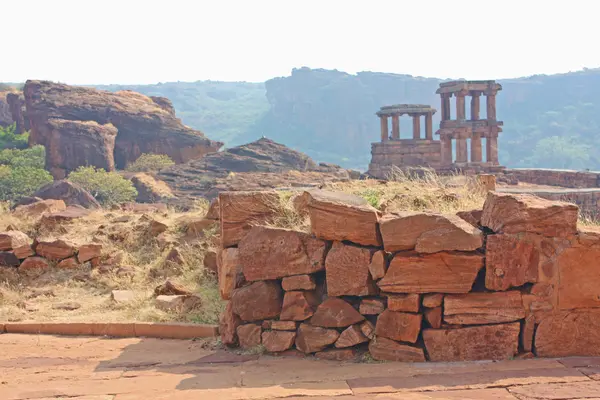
{"x": 32, "y": 158}
{"x": 107, "y": 187}
{"x": 19, "y": 181}
{"x": 10, "y": 140}
{"x": 150, "y": 162}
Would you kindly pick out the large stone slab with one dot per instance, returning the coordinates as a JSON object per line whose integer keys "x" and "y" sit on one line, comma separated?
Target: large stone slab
{"x": 298, "y": 282}
{"x": 399, "y": 326}
{"x": 55, "y": 250}
{"x": 443, "y": 272}
{"x": 298, "y": 306}
{"x": 278, "y": 341}
{"x": 579, "y": 278}
{"x": 311, "y": 339}
{"x": 428, "y": 233}
{"x": 569, "y": 333}
{"x": 273, "y": 253}
{"x": 510, "y": 262}
{"x": 258, "y": 301}
{"x": 228, "y": 324}
{"x": 11, "y": 240}
{"x": 486, "y": 342}
{"x": 483, "y": 308}
{"x": 383, "y": 349}
{"x": 514, "y": 213}
{"x": 335, "y": 313}
{"x": 347, "y": 271}
{"x": 229, "y": 271}
{"x": 240, "y": 210}
{"x": 340, "y": 217}
{"x": 249, "y": 335}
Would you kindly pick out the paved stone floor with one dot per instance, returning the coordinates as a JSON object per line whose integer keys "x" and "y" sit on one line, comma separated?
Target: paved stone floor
{"x": 85, "y": 368}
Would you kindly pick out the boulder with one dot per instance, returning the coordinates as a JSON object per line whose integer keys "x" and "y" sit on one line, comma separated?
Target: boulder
{"x": 178, "y": 303}
{"x": 298, "y": 282}
{"x": 515, "y": 213}
{"x": 372, "y": 306}
{"x": 510, "y": 262}
{"x": 239, "y": 210}
{"x": 486, "y": 342}
{"x": 13, "y": 240}
{"x": 278, "y": 341}
{"x": 55, "y": 250}
{"x": 425, "y": 273}
{"x": 8, "y": 259}
{"x": 336, "y": 313}
{"x": 343, "y": 217}
{"x": 228, "y": 323}
{"x": 298, "y": 306}
{"x": 229, "y": 271}
{"x": 258, "y": 301}
{"x": 34, "y": 265}
{"x": 473, "y": 217}
{"x": 170, "y": 288}
{"x": 433, "y": 300}
{"x": 214, "y": 210}
{"x": 68, "y": 263}
{"x": 428, "y": 233}
{"x": 399, "y": 326}
{"x": 283, "y": 325}
{"x": 351, "y": 336}
{"x": 404, "y": 302}
{"x": 433, "y": 316}
{"x": 337, "y": 354}
{"x": 39, "y": 207}
{"x": 311, "y": 339}
{"x": 150, "y": 189}
{"x": 272, "y": 253}
{"x": 70, "y": 214}
{"x": 23, "y": 252}
{"x": 210, "y": 261}
{"x": 378, "y": 265}
{"x": 89, "y": 251}
{"x": 347, "y": 271}
{"x": 249, "y": 335}
{"x": 122, "y": 296}
{"x": 195, "y": 226}
{"x": 383, "y": 349}
{"x": 569, "y": 333}
{"x": 71, "y": 193}
{"x": 483, "y": 308}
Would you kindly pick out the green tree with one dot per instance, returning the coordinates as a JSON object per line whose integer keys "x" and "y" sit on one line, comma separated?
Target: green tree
{"x": 107, "y": 187}
{"x": 560, "y": 152}
{"x": 34, "y": 157}
{"x": 16, "y": 182}
{"x": 10, "y": 140}
{"x": 148, "y": 162}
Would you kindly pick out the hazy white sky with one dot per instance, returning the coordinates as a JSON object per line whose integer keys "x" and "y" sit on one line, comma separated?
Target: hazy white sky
{"x": 130, "y": 41}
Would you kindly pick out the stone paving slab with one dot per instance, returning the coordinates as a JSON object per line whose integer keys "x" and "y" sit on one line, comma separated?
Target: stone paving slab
{"x": 39, "y": 367}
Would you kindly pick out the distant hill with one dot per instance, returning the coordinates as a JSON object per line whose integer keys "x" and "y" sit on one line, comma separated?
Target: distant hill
{"x": 549, "y": 121}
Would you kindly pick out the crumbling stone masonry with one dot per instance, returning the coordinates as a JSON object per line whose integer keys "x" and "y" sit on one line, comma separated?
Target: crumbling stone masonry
{"x": 519, "y": 279}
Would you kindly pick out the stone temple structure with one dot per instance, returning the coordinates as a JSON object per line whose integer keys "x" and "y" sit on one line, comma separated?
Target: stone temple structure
{"x": 461, "y": 136}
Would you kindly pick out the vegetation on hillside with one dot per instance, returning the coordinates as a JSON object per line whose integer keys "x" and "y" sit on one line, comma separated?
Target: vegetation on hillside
{"x": 9, "y": 139}
{"x": 150, "y": 163}
{"x": 107, "y": 187}
{"x": 22, "y": 172}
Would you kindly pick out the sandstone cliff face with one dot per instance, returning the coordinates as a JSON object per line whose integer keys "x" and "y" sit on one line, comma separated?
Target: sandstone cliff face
{"x": 143, "y": 124}
{"x": 16, "y": 106}
{"x": 5, "y": 115}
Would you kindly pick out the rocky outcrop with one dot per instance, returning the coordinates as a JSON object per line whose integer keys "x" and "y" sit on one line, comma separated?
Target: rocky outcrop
{"x": 16, "y": 105}
{"x": 142, "y": 125}
{"x": 5, "y": 114}
{"x": 150, "y": 190}
{"x": 71, "y": 193}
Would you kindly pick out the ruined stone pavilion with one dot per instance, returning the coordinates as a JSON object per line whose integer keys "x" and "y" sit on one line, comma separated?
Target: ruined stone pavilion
{"x": 460, "y": 144}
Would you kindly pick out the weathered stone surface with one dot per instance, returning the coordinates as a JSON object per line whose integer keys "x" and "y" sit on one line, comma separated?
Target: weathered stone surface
{"x": 55, "y": 250}
{"x": 351, "y": 336}
{"x": 487, "y": 342}
{"x": 69, "y": 192}
{"x": 510, "y": 262}
{"x": 40, "y": 207}
{"x": 367, "y": 329}
{"x": 34, "y": 265}
{"x": 144, "y": 125}
{"x": 68, "y": 263}
{"x": 372, "y": 306}
{"x": 403, "y": 302}
{"x": 383, "y": 349}
{"x": 337, "y": 354}
{"x": 272, "y": 253}
{"x": 514, "y": 213}
{"x": 378, "y": 265}
{"x": 473, "y": 217}
{"x": 89, "y": 251}
{"x": 258, "y": 301}
{"x": 399, "y": 326}
{"x": 178, "y": 303}
{"x": 194, "y": 227}
{"x": 122, "y": 296}
{"x": 278, "y": 341}
{"x": 298, "y": 282}
{"x": 228, "y": 323}
{"x": 240, "y": 209}
{"x": 428, "y": 233}
{"x": 311, "y": 339}
{"x": 150, "y": 189}
{"x": 23, "y": 252}
{"x": 283, "y": 325}
{"x": 433, "y": 316}
{"x": 347, "y": 271}
{"x": 340, "y": 216}
{"x": 249, "y": 335}
{"x": 13, "y": 239}
{"x": 335, "y": 313}
{"x": 483, "y": 308}
{"x": 210, "y": 262}
{"x": 425, "y": 273}
{"x": 298, "y": 306}
{"x": 229, "y": 271}
{"x": 569, "y": 333}
{"x": 170, "y": 288}
{"x": 527, "y": 333}
{"x": 70, "y": 214}
{"x": 578, "y": 278}
{"x": 433, "y": 300}
{"x": 8, "y": 259}
{"x": 214, "y": 210}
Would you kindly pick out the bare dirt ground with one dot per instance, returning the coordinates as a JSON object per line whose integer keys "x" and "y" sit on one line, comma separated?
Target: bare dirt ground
{"x": 48, "y": 367}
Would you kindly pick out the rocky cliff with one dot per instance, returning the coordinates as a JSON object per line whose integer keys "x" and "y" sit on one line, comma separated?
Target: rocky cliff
{"x": 143, "y": 125}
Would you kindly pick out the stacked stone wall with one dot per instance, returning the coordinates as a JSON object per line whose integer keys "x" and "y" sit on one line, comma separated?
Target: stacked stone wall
{"x": 515, "y": 279}
{"x": 556, "y": 177}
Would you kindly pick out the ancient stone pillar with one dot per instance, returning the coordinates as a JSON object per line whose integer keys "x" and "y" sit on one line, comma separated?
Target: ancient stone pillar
{"x": 475, "y": 105}
{"x": 492, "y": 149}
{"x": 460, "y": 106}
{"x": 429, "y": 126}
{"x": 446, "y": 148}
{"x": 476, "y": 148}
{"x": 416, "y": 126}
{"x": 445, "y": 106}
{"x": 395, "y": 127}
{"x": 491, "y": 105}
{"x": 461, "y": 150}
{"x": 384, "y": 128}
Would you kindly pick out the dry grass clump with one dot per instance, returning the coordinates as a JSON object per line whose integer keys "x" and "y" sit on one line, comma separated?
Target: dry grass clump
{"x": 286, "y": 215}
{"x": 139, "y": 261}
